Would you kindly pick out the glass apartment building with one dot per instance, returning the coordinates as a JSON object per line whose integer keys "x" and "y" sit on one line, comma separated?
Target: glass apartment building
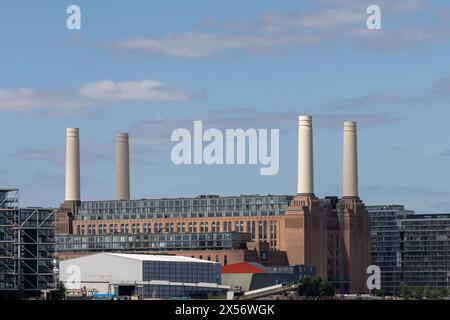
{"x": 426, "y": 251}
{"x": 412, "y": 250}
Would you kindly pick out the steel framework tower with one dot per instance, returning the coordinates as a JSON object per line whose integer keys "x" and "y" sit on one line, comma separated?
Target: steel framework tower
{"x": 9, "y": 237}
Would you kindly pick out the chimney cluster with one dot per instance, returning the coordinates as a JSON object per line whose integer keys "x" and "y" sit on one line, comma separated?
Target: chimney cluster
{"x": 73, "y": 166}
{"x": 305, "y": 178}
{"x": 305, "y": 181}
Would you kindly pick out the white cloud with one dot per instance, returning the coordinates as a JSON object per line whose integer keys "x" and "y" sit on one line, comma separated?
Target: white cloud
{"x": 87, "y": 97}
{"x": 201, "y": 45}
{"x": 16, "y": 99}
{"x": 321, "y": 20}
{"x": 145, "y": 90}
{"x": 326, "y": 21}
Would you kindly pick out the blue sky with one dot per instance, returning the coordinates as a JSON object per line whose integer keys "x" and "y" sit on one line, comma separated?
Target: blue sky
{"x": 149, "y": 67}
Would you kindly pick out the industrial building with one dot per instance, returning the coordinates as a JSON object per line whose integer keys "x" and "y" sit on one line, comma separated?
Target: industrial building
{"x": 412, "y": 250}
{"x": 142, "y": 275}
{"x": 330, "y": 234}
{"x": 280, "y": 232}
{"x": 27, "y": 246}
{"x": 252, "y": 276}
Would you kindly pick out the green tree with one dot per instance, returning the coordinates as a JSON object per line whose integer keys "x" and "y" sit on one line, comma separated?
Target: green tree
{"x": 418, "y": 293}
{"x": 326, "y": 289}
{"x": 406, "y": 293}
{"x": 434, "y": 293}
{"x": 378, "y": 292}
{"x": 315, "y": 287}
{"x": 60, "y": 292}
{"x": 442, "y": 293}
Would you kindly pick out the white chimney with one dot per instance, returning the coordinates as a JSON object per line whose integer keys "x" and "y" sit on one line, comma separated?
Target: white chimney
{"x": 72, "y": 165}
{"x": 305, "y": 156}
{"x": 350, "y": 161}
{"x": 122, "y": 167}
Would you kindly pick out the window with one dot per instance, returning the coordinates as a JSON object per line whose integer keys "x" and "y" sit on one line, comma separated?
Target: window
{"x": 260, "y": 229}
{"x": 265, "y": 230}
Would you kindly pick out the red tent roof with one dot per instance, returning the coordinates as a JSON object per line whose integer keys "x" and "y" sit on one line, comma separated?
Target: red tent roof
{"x": 244, "y": 267}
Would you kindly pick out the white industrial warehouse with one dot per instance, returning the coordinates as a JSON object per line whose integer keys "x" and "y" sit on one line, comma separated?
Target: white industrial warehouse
{"x": 142, "y": 275}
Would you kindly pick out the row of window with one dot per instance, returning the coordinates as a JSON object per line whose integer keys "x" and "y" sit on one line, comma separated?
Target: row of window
{"x": 264, "y": 228}
{"x": 154, "y": 241}
{"x": 146, "y": 245}
{"x": 109, "y": 214}
{"x": 148, "y": 203}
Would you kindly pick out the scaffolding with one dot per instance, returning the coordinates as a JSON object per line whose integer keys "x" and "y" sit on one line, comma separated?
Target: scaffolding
{"x": 27, "y": 245}
{"x": 36, "y": 248}
{"x": 9, "y": 237}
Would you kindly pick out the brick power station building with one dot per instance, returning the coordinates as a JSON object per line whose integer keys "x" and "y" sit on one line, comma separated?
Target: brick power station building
{"x": 331, "y": 234}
